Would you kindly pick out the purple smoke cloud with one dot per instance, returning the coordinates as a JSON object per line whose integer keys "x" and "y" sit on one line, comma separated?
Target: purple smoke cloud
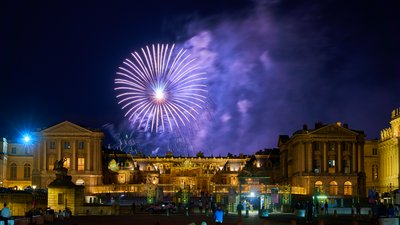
{"x": 271, "y": 73}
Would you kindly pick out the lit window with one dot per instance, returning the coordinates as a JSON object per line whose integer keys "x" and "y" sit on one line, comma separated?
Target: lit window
{"x": 51, "y": 162}
{"x": 318, "y": 186}
{"x": 81, "y": 164}
{"x": 13, "y": 174}
{"x": 67, "y": 145}
{"x": 27, "y": 171}
{"x": 331, "y": 165}
{"x": 348, "y": 188}
{"x": 333, "y": 188}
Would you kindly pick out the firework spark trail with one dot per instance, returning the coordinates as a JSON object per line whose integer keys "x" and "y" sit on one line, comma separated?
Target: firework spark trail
{"x": 161, "y": 87}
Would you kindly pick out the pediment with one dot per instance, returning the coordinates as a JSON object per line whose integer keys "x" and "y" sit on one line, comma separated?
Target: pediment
{"x": 66, "y": 127}
{"x": 334, "y": 130}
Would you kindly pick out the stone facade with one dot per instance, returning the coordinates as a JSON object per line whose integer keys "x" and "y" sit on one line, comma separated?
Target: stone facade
{"x": 80, "y": 147}
{"x": 389, "y": 155}
{"x": 171, "y": 173}
{"x": 16, "y": 160}
{"x": 371, "y": 165}
{"x": 328, "y": 160}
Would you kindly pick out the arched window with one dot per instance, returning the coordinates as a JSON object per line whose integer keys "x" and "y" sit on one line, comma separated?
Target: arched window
{"x": 27, "y": 171}
{"x": 318, "y": 186}
{"x": 348, "y": 188}
{"x": 13, "y": 174}
{"x": 269, "y": 164}
{"x": 333, "y": 188}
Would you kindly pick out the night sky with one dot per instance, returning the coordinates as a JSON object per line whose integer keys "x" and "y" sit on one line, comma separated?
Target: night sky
{"x": 272, "y": 66}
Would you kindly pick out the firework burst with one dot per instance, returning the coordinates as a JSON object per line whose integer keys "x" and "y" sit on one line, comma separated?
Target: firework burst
{"x": 161, "y": 88}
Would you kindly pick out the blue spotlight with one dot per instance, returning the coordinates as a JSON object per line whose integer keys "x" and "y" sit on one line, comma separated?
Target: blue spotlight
{"x": 27, "y": 138}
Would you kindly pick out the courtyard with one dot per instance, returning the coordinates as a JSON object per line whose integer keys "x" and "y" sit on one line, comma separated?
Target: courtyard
{"x": 179, "y": 219}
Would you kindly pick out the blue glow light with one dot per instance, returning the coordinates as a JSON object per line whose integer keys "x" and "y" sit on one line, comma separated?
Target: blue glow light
{"x": 27, "y": 138}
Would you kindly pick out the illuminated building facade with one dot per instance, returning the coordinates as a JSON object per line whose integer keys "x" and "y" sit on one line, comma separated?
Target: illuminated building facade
{"x": 80, "y": 147}
{"x": 331, "y": 160}
{"x": 389, "y": 154}
{"x": 327, "y": 160}
{"x": 171, "y": 173}
{"x": 16, "y": 160}
{"x": 225, "y": 179}
{"x": 371, "y": 165}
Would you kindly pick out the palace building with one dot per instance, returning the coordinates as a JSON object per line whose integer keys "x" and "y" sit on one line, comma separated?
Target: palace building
{"x": 389, "y": 155}
{"x": 16, "y": 160}
{"x": 330, "y": 160}
{"x": 80, "y": 147}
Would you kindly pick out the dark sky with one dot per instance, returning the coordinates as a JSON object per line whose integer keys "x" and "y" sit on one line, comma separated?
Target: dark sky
{"x": 272, "y": 66}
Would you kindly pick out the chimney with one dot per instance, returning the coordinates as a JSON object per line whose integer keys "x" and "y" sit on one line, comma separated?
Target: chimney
{"x": 305, "y": 127}
{"x": 346, "y": 125}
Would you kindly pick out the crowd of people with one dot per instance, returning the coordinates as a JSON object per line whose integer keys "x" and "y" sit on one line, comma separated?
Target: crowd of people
{"x": 218, "y": 217}
{"x": 381, "y": 210}
{"x": 378, "y": 209}
{"x": 243, "y": 205}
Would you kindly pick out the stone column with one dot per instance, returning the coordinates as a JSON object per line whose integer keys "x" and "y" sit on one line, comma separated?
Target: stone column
{"x": 339, "y": 158}
{"x": 358, "y": 157}
{"x": 304, "y": 158}
{"x": 324, "y": 162}
{"x": 309, "y": 157}
{"x": 95, "y": 153}
{"x": 361, "y": 153}
{"x": 73, "y": 157}
{"x": 44, "y": 150}
{"x": 88, "y": 155}
{"x": 59, "y": 149}
{"x": 354, "y": 159}
{"x": 38, "y": 165}
{"x": 298, "y": 160}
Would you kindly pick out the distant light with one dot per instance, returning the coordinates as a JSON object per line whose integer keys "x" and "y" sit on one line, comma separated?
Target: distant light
{"x": 34, "y": 187}
{"x": 27, "y": 138}
{"x": 252, "y": 194}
